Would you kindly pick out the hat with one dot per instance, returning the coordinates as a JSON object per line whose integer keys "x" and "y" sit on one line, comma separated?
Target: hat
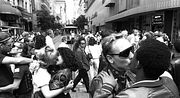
{"x": 4, "y": 37}
{"x": 25, "y": 33}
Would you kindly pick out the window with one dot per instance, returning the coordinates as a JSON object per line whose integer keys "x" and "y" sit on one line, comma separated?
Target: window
{"x": 17, "y": 2}
{"x": 13, "y": 2}
{"x": 30, "y": 8}
{"x": 25, "y": 5}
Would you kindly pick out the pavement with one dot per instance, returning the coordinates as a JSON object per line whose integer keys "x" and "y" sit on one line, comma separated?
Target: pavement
{"x": 80, "y": 88}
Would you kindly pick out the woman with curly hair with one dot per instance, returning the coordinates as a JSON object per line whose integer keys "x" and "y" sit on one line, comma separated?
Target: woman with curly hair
{"x": 68, "y": 59}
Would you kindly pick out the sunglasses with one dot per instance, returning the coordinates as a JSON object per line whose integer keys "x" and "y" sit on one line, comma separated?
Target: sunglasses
{"x": 125, "y": 53}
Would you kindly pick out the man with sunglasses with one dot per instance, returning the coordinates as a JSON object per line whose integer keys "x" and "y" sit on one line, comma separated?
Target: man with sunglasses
{"x": 149, "y": 62}
{"x": 117, "y": 51}
{"x": 84, "y": 66}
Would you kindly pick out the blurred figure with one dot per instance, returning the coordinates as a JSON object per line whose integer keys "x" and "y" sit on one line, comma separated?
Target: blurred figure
{"x": 49, "y": 40}
{"x": 63, "y": 42}
{"x": 176, "y": 64}
{"x": 134, "y": 38}
{"x": 93, "y": 49}
{"x": 124, "y": 33}
{"x": 84, "y": 66}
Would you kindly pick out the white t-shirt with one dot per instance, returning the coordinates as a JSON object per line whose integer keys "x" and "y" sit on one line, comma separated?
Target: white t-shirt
{"x": 94, "y": 50}
{"x": 49, "y": 42}
{"x": 62, "y": 44}
{"x": 41, "y": 78}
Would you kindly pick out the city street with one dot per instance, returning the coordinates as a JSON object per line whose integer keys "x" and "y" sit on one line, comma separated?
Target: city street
{"x": 80, "y": 88}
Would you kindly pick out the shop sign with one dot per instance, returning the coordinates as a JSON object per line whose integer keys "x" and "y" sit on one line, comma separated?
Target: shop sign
{"x": 157, "y": 20}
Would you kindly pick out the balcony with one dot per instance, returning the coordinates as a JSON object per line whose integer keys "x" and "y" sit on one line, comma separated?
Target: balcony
{"x": 45, "y": 2}
{"x": 109, "y": 3}
{"x": 45, "y": 5}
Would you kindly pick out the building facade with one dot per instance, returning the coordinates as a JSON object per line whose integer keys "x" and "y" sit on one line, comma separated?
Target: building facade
{"x": 41, "y": 5}
{"x": 81, "y": 7}
{"x": 148, "y": 15}
{"x": 60, "y": 8}
{"x": 96, "y": 13}
{"x": 24, "y": 20}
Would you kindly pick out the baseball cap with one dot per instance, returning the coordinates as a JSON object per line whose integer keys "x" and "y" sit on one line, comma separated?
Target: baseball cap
{"x": 4, "y": 37}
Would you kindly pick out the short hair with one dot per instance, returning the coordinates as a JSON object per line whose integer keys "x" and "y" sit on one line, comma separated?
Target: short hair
{"x": 77, "y": 43}
{"x": 107, "y": 43}
{"x": 40, "y": 41}
{"x": 106, "y": 33}
{"x": 177, "y": 45}
{"x": 64, "y": 38}
{"x": 91, "y": 41}
{"x": 154, "y": 56}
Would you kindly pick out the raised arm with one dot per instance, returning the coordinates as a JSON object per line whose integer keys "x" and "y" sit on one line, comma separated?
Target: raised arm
{"x": 16, "y": 60}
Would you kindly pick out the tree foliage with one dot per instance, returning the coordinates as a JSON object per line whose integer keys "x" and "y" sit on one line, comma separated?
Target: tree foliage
{"x": 46, "y": 21}
{"x": 80, "y": 22}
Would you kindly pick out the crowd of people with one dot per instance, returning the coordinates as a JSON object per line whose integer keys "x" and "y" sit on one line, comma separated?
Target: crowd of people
{"x": 110, "y": 64}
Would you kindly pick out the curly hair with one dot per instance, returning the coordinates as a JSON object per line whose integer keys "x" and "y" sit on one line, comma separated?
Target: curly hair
{"x": 40, "y": 41}
{"x": 69, "y": 59}
{"x": 92, "y": 41}
{"x": 177, "y": 45}
{"x": 77, "y": 43}
{"x": 154, "y": 56}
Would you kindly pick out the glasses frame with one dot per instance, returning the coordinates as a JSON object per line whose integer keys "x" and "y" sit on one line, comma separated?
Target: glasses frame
{"x": 123, "y": 53}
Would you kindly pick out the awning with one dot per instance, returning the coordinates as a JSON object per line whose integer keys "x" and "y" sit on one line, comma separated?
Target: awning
{"x": 109, "y": 3}
{"x": 8, "y": 9}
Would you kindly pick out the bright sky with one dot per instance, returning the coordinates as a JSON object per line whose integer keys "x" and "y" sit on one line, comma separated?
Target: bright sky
{"x": 69, "y": 10}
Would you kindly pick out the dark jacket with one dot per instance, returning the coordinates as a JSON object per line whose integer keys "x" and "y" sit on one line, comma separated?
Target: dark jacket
{"x": 174, "y": 70}
{"x": 81, "y": 55}
{"x": 97, "y": 89}
{"x": 164, "y": 88}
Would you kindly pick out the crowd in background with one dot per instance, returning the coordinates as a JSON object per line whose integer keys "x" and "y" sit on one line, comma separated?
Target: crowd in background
{"x": 110, "y": 64}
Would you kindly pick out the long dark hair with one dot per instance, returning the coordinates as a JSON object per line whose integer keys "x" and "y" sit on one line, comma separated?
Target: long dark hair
{"x": 69, "y": 61}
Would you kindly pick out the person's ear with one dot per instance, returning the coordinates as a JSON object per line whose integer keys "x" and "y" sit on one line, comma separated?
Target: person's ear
{"x": 110, "y": 58}
{"x": 138, "y": 65}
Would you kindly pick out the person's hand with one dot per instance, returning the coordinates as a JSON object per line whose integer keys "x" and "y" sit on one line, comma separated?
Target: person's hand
{"x": 34, "y": 66}
{"x": 70, "y": 85}
{"x": 108, "y": 78}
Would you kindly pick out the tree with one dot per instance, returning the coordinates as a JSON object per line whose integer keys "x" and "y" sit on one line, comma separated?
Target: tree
{"x": 80, "y": 22}
{"x": 44, "y": 20}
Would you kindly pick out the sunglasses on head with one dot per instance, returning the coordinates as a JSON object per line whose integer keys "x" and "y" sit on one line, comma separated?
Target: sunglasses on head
{"x": 125, "y": 53}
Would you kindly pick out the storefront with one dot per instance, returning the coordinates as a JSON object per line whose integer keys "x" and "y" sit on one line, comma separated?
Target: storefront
{"x": 150, "y": 15}
{"x": 9, "y": 16}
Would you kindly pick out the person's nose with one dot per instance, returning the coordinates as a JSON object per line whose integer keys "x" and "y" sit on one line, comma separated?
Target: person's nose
{"x": 131, "y": 55}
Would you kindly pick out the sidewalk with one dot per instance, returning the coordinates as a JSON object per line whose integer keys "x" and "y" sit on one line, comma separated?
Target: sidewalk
{"x": 80, "y": 92}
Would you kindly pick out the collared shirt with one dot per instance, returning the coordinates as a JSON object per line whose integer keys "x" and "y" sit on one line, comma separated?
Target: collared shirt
{"x": 145, "y": 81}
